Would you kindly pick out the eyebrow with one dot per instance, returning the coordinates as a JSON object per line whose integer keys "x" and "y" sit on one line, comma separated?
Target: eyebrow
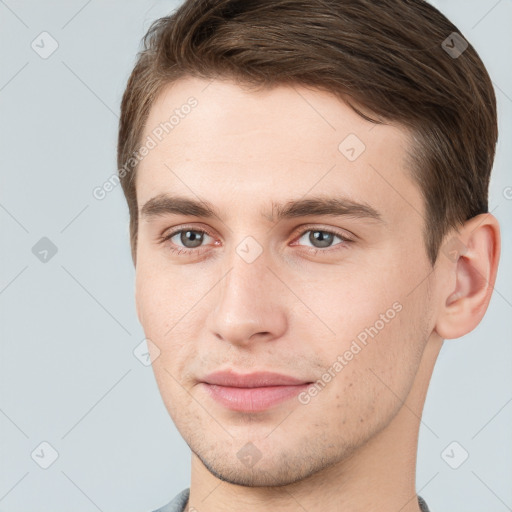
{"x": 164, "y": 204}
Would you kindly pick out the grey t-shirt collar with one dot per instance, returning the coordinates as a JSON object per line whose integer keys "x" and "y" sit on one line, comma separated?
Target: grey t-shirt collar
{"x": 180, "y": 500}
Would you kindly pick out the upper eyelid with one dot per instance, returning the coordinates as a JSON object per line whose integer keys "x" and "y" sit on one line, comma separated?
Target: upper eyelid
{"x": 342, "y": 233}
{"x": 173, "y": 232}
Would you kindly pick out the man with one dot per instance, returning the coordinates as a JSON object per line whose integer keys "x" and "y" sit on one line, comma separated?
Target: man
{"x": 307, "y": 185}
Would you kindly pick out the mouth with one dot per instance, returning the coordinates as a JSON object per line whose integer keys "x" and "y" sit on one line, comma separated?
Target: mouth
{"x": 254, "y": 392}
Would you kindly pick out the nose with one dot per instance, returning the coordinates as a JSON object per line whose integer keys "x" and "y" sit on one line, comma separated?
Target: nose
{"x": 250, "y": 304}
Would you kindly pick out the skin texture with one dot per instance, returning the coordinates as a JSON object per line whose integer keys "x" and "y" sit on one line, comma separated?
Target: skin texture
{"x": 353, "y": 446}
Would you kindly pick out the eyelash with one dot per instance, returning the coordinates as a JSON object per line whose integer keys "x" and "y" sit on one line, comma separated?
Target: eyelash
{"x": 312, "y": 250}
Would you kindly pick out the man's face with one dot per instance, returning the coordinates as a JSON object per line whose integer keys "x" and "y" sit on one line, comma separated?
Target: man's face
{"x": 309, "y": 296}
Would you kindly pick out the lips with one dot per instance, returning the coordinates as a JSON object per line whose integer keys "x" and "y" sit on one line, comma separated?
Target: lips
{"x": 251, "y": 380}
{"x": 254, "y": 392}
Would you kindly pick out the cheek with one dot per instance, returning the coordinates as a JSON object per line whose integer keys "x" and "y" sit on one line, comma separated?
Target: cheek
{"x": 380, "y": 332}
{"x": 165, "y": 302}
{"x": 163, "y": 296}
{"x": 351, "y": 303}
{"x": 371, "y": 378}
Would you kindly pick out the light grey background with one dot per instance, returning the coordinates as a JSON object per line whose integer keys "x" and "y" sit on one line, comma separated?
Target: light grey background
{"x": 68, "y": 375}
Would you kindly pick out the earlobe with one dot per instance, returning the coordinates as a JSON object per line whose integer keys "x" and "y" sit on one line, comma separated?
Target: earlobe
{"x": 473, "y": 256}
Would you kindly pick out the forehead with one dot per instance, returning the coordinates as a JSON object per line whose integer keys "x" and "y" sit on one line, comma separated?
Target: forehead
{"x": 214, "y": 137}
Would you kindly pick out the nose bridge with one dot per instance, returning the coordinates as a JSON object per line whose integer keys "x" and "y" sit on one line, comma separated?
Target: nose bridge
{"x": 246, "y": 300}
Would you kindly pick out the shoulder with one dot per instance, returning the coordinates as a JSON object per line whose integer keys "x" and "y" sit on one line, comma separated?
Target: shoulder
{"x": 177, "y": 504}
{"x": 423, "y": 505}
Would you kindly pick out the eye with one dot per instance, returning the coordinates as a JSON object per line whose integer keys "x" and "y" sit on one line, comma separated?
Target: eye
{"x": 188, "y": 241}
{"x": 185, "y": 240}
{"x": 323, "y": 239}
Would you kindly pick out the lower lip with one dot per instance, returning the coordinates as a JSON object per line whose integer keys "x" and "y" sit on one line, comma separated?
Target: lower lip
{"x": 253, "y": 399}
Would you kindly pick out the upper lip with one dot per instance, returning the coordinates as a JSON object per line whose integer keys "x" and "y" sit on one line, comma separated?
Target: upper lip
{"x": 251, "y": 380}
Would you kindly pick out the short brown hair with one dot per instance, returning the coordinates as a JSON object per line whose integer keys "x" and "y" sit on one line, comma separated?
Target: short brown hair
{"x": 389, "y": 56}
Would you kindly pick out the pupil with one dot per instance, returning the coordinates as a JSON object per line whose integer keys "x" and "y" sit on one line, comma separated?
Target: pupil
{"x": 194, "y": 237}
{"x": 324, "y": 238}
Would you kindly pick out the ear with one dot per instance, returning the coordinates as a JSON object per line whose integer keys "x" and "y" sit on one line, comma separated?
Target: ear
{"x": 470, "y": 268}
